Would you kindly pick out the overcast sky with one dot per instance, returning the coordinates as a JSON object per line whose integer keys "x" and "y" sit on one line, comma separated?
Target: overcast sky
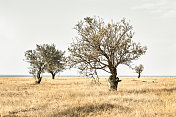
{"x": 25, "y": 23}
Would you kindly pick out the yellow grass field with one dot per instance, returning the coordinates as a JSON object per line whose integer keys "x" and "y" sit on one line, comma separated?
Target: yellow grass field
{"x": 78, "y": 97}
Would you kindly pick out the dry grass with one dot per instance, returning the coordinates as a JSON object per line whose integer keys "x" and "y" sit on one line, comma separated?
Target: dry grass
{"x": 74, "y": 97}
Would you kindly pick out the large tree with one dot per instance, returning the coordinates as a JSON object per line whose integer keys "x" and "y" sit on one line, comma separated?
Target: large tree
{"x": 139, "y": 70}
{"x": 104, "y": 46}
{"x": 53, "y": 58}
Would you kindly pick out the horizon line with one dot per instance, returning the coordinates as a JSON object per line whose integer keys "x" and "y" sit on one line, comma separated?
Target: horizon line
{"x": 14, "y": 75}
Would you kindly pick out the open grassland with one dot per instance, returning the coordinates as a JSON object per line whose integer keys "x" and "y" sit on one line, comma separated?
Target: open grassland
{"x": 74, "y": 97}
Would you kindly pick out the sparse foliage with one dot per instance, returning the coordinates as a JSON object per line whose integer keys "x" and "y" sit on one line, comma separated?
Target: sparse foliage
{"x": 103, "y": 46}
{"x": 139, "y": 70}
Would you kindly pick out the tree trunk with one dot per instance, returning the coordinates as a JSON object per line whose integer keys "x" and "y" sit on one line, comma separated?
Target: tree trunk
{"x": 139, "y": 75}
{"x": 113, "y": 80}
{"x": 113, "y": 83}
{"x": 53, "y": 75}
{"x": 39, "y": 78}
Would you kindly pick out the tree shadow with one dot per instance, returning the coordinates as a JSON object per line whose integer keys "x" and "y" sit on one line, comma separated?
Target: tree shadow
{"x": 15, "y": 112}
{"x": 144, "y": 91}
{"x": 87, "y": 109}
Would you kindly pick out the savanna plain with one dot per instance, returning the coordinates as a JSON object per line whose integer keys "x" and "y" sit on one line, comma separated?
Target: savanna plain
{"x": 80, "y": 97}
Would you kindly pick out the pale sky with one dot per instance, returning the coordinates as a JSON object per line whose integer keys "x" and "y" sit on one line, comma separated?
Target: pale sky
{"x": 25, "y": 23}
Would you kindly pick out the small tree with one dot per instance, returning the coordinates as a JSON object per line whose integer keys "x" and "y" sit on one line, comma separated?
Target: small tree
{"x": 104, "y": 46}
{"x": 45, "y": 58}
{"x": 139, "y": 70}
{"x": 36, "y": 62}
{"x": 53, "y": 58}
